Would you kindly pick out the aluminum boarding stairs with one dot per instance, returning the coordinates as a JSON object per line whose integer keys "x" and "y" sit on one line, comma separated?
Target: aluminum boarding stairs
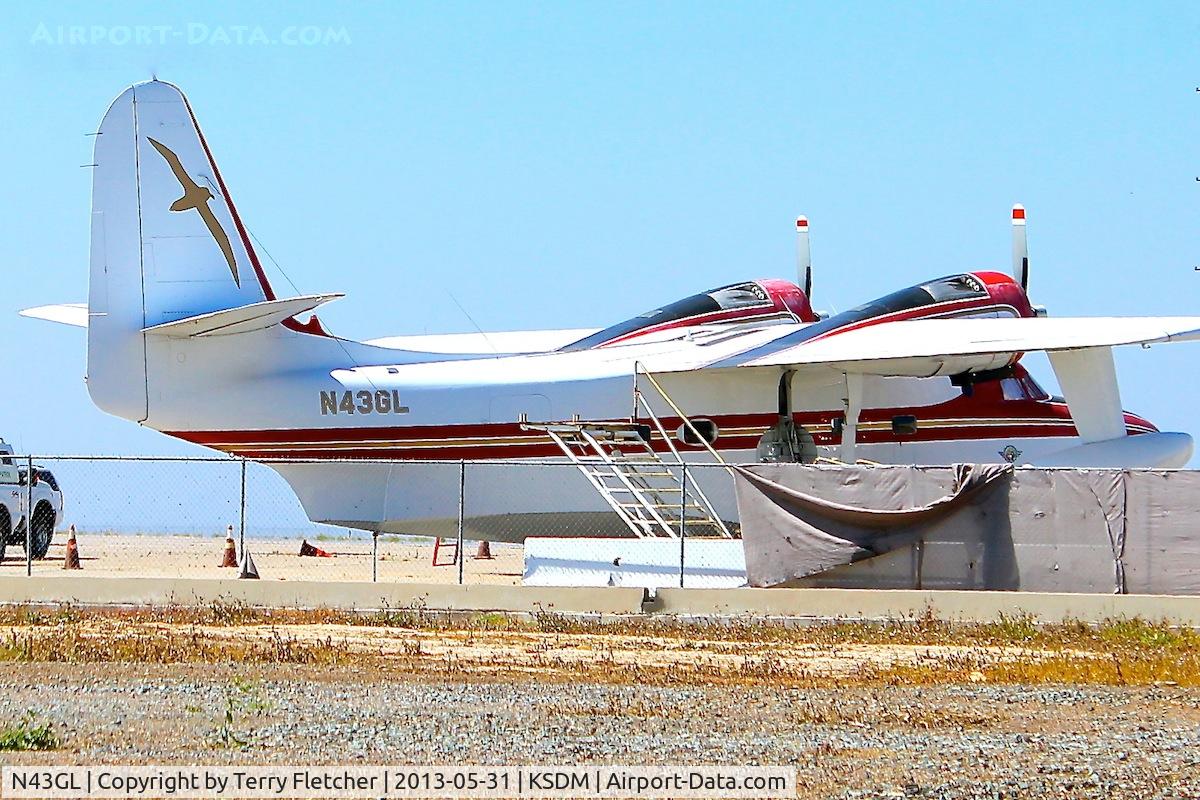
{"x": 650, "y": 495}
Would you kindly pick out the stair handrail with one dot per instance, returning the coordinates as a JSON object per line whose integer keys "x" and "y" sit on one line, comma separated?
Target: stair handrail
{"x": 639, "y": 399}
{"x": 639, "y": 369}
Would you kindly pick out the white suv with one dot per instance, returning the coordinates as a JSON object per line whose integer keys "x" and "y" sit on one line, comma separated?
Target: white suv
{"x": 14, "y": 501}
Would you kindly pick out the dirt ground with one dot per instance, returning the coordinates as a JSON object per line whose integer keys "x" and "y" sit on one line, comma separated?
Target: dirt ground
{"x": 474, "y": 652}
{"x": 919, "y": 709}
{"x": 153, "y": 556}
{"x": 954, "y": 741}
{"x": 907, "y": 709}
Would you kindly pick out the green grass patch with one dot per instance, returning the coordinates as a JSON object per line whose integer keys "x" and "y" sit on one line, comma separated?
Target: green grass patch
{"x": 1151, "y": 635}
{"x": 27, "y": 734}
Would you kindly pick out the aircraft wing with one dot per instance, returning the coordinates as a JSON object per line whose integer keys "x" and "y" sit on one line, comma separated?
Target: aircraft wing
{"x": 938, "y": 346}
{"x": 1080, "y": 352}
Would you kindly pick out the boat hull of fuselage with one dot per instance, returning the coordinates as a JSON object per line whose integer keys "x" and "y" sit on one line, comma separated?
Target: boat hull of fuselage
{"x": 508, "y": 501}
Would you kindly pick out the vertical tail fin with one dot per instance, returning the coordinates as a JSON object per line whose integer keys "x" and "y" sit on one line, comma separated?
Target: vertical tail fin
{"x": 167, "y": 242}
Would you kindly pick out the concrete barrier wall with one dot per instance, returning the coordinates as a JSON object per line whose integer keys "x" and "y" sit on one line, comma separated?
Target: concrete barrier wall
{"x": 797, "y": 604}
{"x": 319, "y": 594}
{"x": 953, "y": 606}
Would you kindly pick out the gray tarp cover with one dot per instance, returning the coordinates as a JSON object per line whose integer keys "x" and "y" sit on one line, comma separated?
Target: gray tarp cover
{"x": 971, "y": 526}
{"x": 816, "y": 534}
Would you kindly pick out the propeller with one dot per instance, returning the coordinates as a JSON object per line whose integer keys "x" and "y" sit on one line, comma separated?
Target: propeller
{"x": 1020, "y": 248}
{"x": 1020, "y": 254}
{"x": 803, "y": 257}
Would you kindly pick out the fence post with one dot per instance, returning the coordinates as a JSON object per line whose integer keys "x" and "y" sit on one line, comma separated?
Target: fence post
{"x": 682, "y": 518}
{"x": 242, "y": 514}
{"x": 29, "y": 478}
{"x": 462, "y": 492}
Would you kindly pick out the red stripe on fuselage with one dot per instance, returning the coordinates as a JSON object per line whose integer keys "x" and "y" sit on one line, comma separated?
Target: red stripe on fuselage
{"x": 983, "y": 415}
{"x": 473, "y": 441}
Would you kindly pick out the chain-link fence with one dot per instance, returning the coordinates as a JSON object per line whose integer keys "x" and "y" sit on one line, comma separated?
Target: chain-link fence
{"x": 392, "y": 521}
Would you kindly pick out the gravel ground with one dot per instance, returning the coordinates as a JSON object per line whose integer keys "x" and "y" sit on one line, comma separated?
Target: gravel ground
{"x": 953, "y": 741}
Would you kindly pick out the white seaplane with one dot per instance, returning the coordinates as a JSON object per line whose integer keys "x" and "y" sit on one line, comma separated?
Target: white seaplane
{"x": 186, "y": 336}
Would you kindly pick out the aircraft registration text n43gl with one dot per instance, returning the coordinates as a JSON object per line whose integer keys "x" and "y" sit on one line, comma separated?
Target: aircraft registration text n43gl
{"x": 381, "y": 401}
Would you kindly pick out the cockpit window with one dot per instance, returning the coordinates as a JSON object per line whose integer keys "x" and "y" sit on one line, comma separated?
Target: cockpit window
{"x": 955, "y": 287}
{"x": 1022, "y": 387}
{"x": 738, "y": 295}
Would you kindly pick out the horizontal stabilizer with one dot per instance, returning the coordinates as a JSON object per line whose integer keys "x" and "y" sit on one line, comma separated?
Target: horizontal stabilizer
{"x": 242, "y": 319}
{"x": 74, "y": 314}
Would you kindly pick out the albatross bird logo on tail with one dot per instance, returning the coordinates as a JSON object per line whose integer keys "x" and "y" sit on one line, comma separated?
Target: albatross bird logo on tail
{"x": 197, "y": 197}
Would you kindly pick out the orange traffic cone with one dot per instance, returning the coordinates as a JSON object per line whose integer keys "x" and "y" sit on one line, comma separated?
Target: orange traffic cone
{"x": 307, "y": 549}
{"x": 71, "y": 561}
{"x": 230, "y": 558}
{"x": 485, "y": 550}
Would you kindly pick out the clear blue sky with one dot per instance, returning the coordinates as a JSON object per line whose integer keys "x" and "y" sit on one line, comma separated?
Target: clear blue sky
{"x": 561, "y": 165}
